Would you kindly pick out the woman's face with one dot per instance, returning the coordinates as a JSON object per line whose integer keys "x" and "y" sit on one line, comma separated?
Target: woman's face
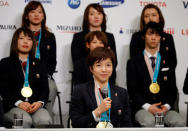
{"x": 151, "y": 14}
{"x": 95, "y": 18}
{"x": 36, "y": 16}
{"x": 25, "y": 44}
{"x": 102, "y": 70}
{"x": 94, "y": 44}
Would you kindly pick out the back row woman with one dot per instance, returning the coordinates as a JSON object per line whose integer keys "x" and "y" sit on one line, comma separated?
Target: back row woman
{"x": 34, "y": 18}
{"x": 94, "y": 20}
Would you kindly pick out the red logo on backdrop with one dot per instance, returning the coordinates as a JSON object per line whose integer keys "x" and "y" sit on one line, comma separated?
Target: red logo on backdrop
{"x": 3, "y": 3}
{"x": 184, "y": 32}
{"x": 169, "y": 31}
{"x": 157, "y": 3}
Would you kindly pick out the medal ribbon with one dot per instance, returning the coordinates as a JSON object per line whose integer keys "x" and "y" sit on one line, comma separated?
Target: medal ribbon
{"x": 26, "y": 81}
{"x": 149, "y": 66}
{"x": 157, "y": 67}
{"x": 154, "y": 75}
{"x": 104, "y": 115}
{"x": 38, "y": 46}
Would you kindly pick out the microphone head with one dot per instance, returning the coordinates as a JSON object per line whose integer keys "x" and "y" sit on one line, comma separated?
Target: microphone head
{"x": 104, "y": 92}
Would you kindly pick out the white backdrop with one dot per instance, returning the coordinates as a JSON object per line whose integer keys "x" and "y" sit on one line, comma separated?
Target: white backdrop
{"x": 64, "y": 17}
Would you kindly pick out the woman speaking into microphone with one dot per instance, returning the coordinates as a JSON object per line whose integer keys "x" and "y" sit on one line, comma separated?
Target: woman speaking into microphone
{"x": 99, "y": 103}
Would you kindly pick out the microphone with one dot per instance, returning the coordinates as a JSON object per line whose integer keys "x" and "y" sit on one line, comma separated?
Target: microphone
{"x": 104, "y": 92}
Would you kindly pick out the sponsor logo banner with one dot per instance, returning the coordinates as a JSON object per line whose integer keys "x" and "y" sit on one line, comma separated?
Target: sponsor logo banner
{"x": 184, "y": 32}
{"x": 185, "y": 4}
{"x": 68, "y": 29}
{"x": 157, "y": 3}
{"x": 8, "y": 27}
{"x": 41, "y": 1}
{"x": 3, "y": 3}
{"x": 74, "y": 4}
{"x": 111, "y": 3}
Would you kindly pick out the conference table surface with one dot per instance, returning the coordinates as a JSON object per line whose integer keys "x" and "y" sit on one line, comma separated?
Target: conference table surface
{"x": 94, "y": 129}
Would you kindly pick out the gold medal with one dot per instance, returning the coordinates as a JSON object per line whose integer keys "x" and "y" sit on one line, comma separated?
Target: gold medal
{"x": 102, "y": 124}
{"x": 26, "y": 91}
{"x": 154, "y": 88}
{"x": 109, "y": 125}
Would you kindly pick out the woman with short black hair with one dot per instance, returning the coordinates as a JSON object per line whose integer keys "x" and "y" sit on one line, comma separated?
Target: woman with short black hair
{"x": 99, "y": 103}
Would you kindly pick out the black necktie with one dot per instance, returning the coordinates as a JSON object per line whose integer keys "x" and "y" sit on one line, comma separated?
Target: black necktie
{"x": 152, "y": 62}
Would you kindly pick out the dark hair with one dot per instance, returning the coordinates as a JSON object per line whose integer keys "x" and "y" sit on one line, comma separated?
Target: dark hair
{"x": 33, "y": 5}
{"x": 161, "y": 18}
{"x": 100, "y": 36}
{"x": 85, "y": 24}
{"x": 155, "y": 28}
{"x": 99, "y": 54}
{"x": 14, "y": 43}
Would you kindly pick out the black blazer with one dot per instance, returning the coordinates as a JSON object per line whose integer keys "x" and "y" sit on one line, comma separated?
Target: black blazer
{"x": 79, "y": 55}
{"x": 83, "y": 102}
{"x": 12, "y": 81}
{"x": 167, "y": 47}
{"x": 1, "y": 114}
{"x": 48, "y": 52}
{"x": 185, "y": 86}
{"x": 138, "y": 81}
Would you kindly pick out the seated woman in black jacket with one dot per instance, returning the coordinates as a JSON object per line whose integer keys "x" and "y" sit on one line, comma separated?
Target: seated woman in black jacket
{"x": 24, "y": 82}
{"x": 99, "y": 103}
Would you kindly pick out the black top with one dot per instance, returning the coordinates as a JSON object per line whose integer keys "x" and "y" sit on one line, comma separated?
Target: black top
{"x": 12, "y": 81}
{"x": 185, "y": 86}
{"x": 83, "y": 102}
{"x": 138, "y": 82}
{"x": 48, "y": 52}
{"x": 167, "y": 47}
{"x": 79, "y": 56}
{"x": 1, "y": 114}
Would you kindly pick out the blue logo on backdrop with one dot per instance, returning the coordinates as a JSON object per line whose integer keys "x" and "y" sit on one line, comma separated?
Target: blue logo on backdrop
{"x": 185, "y": 3}
{"x": 41, "y": 1}
{"x": 74, "y": 3}
{"x": 111, "y": 3}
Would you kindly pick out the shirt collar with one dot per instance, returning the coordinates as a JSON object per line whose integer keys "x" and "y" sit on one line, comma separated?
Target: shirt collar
{"x": 150, "y": 55}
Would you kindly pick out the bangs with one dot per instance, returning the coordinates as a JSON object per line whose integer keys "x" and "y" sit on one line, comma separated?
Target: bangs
{"x": 157, "y": 31}
{"x": 33, "y": 6}
{"x": 99, "y": 59}
{"x": 27, "y": 33}
{"x": 98, "y": 8}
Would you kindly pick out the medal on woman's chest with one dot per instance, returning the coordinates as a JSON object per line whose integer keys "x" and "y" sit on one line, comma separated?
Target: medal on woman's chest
{"x": 26, "y": 91}
{"x": 101, "y": 124}
{"x": 104, "y": 125}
